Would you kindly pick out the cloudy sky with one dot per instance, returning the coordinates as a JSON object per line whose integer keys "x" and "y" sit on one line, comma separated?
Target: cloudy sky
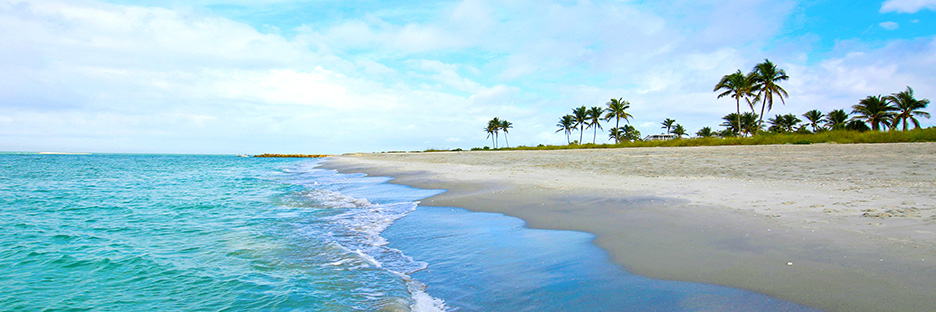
{"x": 325, "y": 76}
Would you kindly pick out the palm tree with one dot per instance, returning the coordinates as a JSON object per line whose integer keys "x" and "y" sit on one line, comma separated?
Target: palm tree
{"x": 738, "y": 86}
{"x": 594, "y": 121}
{"x": 505, "y": 125}
{"x": 766, "y": 75}
{"x": 566, "y": 124}
{"x": 581, "y": 118}
{"x": 705, "y": 132}
{"x": 630, "y": 133}
{"x": 732, "y": 123}
{"x": 667, "y": 124}
{"x": 748, "y": 123}
{"x": 679, "y": 131}
{"x": 907, "y": 107}
{"x": 875, "y": 110}
{"x": 492, "y": 128}
{"x": 727, "y": 132}
{"x": 616, "y": 134}
{"x": 814, "y": 117}
{"x": 836, "y": 119}
{"x": 857, "y": 125}
{"x": 617, "y": 110}
{"x": 783, "y": 123}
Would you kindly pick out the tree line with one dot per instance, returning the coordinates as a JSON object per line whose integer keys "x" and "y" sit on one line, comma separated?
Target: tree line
{"x": 757, "y": 89}
{"x": 495, "y": 126}
{"x": 763, "y": 82}
{"x": 590, "y": 118}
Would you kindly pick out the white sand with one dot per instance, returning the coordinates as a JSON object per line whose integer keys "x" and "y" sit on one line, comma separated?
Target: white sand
{"x": 855, "y": 221}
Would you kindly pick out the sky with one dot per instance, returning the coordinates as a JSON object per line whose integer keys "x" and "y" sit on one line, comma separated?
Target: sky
{"x": 325, "y": 76}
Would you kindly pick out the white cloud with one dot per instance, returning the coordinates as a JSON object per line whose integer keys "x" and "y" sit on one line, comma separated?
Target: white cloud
{"x": 907, "y": 6}
{"x": 85, "y": 72}
{"x": 889, "y": 25}
{"x": 129, "y": 78}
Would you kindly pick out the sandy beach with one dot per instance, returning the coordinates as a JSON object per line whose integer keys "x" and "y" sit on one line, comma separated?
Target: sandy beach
{"x": 833, "y": 226}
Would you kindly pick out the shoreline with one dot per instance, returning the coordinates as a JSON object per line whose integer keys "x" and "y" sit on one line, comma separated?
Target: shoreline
{"x": 835, "y": 227}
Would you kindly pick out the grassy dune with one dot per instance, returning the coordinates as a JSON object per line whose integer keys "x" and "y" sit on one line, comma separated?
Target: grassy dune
{"x": 843, "y": 137}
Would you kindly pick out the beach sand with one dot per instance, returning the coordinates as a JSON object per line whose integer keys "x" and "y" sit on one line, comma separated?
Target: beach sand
{"x": 838, "y": 227}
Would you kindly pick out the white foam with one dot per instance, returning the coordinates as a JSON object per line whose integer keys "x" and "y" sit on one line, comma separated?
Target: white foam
{"x": 339, "y": 262}
{"x": 357, "y": 229}
{"x": 370, "y": 259}
{"x": 423, "y": 302}
{"x": 332, "y": 199}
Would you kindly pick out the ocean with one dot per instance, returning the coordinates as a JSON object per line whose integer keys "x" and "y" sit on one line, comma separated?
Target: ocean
{"x": 225, "y": 233}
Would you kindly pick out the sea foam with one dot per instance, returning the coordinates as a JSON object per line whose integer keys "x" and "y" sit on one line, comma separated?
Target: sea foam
{"x": 357, "y": 230}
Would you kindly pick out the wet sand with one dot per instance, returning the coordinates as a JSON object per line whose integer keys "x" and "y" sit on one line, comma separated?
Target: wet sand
{"x": 833, "y": 226}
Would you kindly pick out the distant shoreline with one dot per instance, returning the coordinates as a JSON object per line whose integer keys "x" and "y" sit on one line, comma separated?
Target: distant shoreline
{"x": 839, "y": 227}
{"x": 290, "y": 156}
{"x": 61, "y": 153}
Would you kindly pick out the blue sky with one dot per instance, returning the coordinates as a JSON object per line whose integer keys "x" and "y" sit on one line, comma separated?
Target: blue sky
{"x": 291, "y": 76}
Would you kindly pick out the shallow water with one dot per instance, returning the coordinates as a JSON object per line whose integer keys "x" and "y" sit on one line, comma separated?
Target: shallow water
{"x": 164, "y": 232}
{"x": 490, "y": 262}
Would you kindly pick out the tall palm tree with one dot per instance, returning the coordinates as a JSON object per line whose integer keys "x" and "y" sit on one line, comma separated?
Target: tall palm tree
{"x": 875, "y": 110}
{"x": 814, "y": 117}
{"x": 836, "y": 119}
{"x": 617, "y": 110}
{"x": 581, "y": 119}
{"x": 492, "y": 128}
{"x": 907, "y": 108}
{"x": 667, "y": 124}
{"x": 737, "y": 86}
{"x": 594, "y": 121}
{"x": 505, "y": 126}
{"x": 705, "y": 132}
{"x": 766, "y": 75}
{"x": 566, "y": 124}
{"x": 679, "y": 131}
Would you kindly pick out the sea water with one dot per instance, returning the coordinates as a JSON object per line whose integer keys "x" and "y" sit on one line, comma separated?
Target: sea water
{"x": 183, "y": 233}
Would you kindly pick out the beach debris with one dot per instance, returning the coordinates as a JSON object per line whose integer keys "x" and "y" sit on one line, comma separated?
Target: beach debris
{"x": 873, "y": 213}
{"x": 896, "y": 212}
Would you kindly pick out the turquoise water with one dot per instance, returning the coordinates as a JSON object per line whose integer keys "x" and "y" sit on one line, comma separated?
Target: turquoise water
{"x": 220, "y": 233}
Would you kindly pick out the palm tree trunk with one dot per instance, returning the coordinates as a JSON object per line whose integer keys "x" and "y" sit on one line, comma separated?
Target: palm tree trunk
{"x": 595, "y": 136}
{"x": 581, "y": 132}
{"x": 505, "y": 140}
{"x": 738, "y": 104}
{"x": 617, "y": 124}
{"x": 760, "y": 119}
